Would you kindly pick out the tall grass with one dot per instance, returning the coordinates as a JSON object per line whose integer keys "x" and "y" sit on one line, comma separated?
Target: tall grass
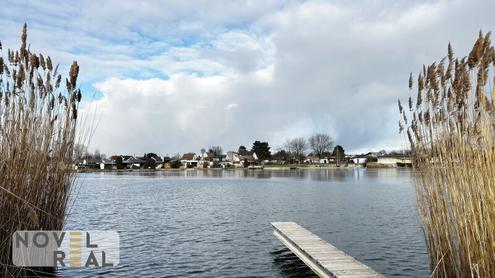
{"x": 38, "y": 116}
{"x": 450, "y": 124}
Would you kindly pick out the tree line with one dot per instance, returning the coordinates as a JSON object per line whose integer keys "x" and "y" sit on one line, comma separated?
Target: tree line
{"x": 319, "y": 145}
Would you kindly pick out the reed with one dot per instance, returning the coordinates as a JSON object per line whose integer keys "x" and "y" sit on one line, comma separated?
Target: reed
{"x": 449, "y": 121}
{"x": 38, "y": 116}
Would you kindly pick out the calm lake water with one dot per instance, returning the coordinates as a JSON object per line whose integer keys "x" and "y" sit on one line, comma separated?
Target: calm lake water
{"x": 217, "y": 223}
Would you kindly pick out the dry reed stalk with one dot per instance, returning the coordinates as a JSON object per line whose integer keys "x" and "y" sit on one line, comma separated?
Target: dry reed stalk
{"x": 37, "y": 129}
{"x": 451, "y": 129}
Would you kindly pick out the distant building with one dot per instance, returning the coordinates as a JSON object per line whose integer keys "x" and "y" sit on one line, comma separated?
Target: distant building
{"x": 249, "y": 159}
{"x": 130, "y": 161}
{"x": 359, "y": 159}
{"x": 108, "y": 164}
{"x": 394, "y": 160}
{"x": 212, "y": 160}
{"x": 324, "y": 160}
{"x": 233, "y": 157}
{"x": 388, "y": 160}
{"x": 154, "y": 161}
{"x": 311, "y": 159}
{"x": 188, "y": 160}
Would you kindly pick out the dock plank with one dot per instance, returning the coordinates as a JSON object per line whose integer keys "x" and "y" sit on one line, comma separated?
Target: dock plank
{"x": 322, "y": 257}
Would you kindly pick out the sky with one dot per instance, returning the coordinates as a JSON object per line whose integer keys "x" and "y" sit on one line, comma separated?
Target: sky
{"x": 176, "y": 76}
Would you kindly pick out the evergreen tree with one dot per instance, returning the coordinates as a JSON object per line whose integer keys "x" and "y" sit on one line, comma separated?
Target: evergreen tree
{"x": 262, "y": 150}
{"x": 242, "y": 150}
{"x": 339, "y": 153}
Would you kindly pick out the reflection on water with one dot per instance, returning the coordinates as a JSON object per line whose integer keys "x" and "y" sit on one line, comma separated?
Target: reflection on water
{"x": 333, "y": 174}
{"x": 214, "y": 223}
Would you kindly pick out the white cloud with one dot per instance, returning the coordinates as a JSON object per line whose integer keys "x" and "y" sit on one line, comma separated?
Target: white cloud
{"x": 231, "y": 106}
{"x": 177, "y": 77}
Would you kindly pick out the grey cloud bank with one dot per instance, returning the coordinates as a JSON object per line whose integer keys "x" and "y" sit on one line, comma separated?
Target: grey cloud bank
{"x": 174, "y": 79}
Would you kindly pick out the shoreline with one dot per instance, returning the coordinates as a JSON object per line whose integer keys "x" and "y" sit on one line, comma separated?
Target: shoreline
{"x": 266, "y": 168}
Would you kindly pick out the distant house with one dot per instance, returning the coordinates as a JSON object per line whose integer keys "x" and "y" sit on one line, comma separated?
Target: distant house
{"x": 394, "y": 160}
{"x": 233, "y": 157}
{"x": 248, "y": 159}
{"x": 108, "y": 164}
{"x": 188, "y": 160}
{"x": 212, "y": 160}
{"x": 359, "y": 159}
{"x": 208, "y": 156}
{"x": 166, "y": 162}
{"x": 157, "y": 160}
{"x": 388, "y": 160}
{"x": 126, "y": 161}
{"x": 154, "y": 161}
{"x": 311, "y": 159}
{"x": 88, "y": 162}
{"x": 130, "y": 161}
{"x": 324, "y": 160}
{"x": 204, "y": 161}
{"x": 404, "y": 161}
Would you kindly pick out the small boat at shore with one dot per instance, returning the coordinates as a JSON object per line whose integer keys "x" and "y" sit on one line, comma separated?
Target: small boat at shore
{"x": 255, "y": 167}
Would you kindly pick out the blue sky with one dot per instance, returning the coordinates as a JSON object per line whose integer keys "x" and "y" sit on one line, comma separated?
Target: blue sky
{"x": 176, "y": 76}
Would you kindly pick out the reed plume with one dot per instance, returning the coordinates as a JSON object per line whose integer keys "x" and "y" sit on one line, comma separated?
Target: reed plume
{"x": 451, "y": 132}
{"x": 37, "y": 129}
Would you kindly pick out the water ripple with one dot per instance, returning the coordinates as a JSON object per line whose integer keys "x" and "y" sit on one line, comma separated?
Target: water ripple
{"x": 216, "y": 224}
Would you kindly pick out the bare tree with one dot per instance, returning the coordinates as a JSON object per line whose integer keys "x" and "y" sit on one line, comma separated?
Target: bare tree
{"x": 79, "y": 151}
{"x": 297, "y": 147}
{"x": 177, "y": 156}
{"x": 216, "y": 150}
{"x": 97, "y": 156}
{"x": 320, "y": 143}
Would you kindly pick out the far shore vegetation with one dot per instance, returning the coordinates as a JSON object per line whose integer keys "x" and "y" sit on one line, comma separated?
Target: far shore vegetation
{"x": 316, "y": 151}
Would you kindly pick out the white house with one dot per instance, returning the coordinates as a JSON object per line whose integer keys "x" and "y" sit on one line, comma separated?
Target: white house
{"x": 394, "y": 160}
{"x": 108, "y": 164}
{"x": 359, "y": 159}
{"x": 233, "y": 157}
{"x": 311, "y": 159}
{"x": 248, "y": 159}
{"x": 188, "y": 160}
{"x": 387, "y": 160}
{"x": 324, "y": 160}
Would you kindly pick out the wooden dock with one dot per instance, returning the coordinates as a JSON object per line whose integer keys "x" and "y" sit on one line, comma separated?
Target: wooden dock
{"x": 322, "y": 257}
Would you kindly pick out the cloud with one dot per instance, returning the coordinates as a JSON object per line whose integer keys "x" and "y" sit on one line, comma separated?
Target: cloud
{"x": 175, "y": 77}
{"x": 231, "y": 106}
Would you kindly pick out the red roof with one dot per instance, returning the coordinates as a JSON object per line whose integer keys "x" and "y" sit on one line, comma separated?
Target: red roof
{"x": 188, "y": 156}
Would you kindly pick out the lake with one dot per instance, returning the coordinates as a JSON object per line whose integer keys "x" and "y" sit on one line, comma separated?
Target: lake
{"x": 216, "y": 223}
